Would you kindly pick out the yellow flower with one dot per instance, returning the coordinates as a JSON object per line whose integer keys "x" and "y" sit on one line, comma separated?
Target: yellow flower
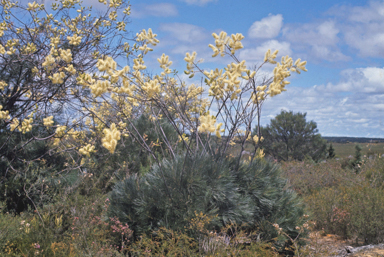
{"x": 149, "y": 37}
{"x": 32, "y": 6}
{"x": 111, "y": 136}
{"x": 71, "y": 69}
{"x": 152, "y": 88}
{"x": 49, "y": 63}
{"x": 57, "y": 78}
{"x": 164, "y": 61}
{"x": 48, "y": 122}
{"x": 74, "y": 40}
{"x": 66, "y": 55}
{"x": 99, "y": 88}
{"x": 4, "y": 114}
{"x": 14, "y": 124}
{"x": 87, "y": 150}
{"x": 207, "y": 124}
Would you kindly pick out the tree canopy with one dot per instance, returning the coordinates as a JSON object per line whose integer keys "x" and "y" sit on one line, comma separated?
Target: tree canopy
{"x": 290, "y": 137}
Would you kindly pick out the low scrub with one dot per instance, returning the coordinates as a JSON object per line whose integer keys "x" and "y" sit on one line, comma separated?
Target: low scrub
{"x": 170, "y": 195}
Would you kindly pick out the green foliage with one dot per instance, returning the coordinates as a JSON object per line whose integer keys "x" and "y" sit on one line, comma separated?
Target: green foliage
{"x": 331, "y": 152}
{"x": 291, "y": 137}
{"x": 350, "y": 211}
{"x": 74, "y": 226}
{"x": 24, "y": 181}
{"x": 356, "y": 162}
{"x": 170, "y": 195}
{"x": 342, "y": 201}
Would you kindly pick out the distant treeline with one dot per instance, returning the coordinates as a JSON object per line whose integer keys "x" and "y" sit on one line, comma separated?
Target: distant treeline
{"x": 354, "y": 140}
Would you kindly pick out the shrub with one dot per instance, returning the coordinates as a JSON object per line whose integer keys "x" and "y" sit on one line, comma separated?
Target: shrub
{"x": 253, "y": 194}
{"x": 350, "y": 212}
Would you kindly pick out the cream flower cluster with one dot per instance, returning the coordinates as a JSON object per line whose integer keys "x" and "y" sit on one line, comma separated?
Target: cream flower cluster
{"x": 26, "y": 125}
{"x": 100, "y": 87}
{"x": 48, "y": 122}
{"x": 107, "y": 64}
{"x": 165, "y": 63}
{"x": 281, "y": 72}
{"x": 66, "y": 55}
{"x": 207, "y": 125}
{"x": 229, "y": 82}
{"x": 70, "y": 69}
{"x": 189, "y": 58}
{"x": 3, "y": 84}
{"x": 87, "y": 150}
{"x": 138, "y": 64}
{"x": 60, "y": 131}
{"x": 57, "y": 78}
{"x": 222, "y": 40}
{"x": 151, "y": 87}
{"x": 49, "y": 63}
{"x": 34, "y": 6}
{"x": 4, "y": 114}
{"x": 74, "y": 40}
{"x": 259, "y": 95}
{"x": 148, "y": 37}
{"x": 256, "y": 139}
{"x": 14, "y": 124}
{"x": 111, "y": 136}
{"x": 270, "y": 57}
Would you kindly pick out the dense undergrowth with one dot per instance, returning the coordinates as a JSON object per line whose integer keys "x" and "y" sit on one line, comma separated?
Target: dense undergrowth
{"x": 343, "y": 201}
{"x": 213, "y": 209}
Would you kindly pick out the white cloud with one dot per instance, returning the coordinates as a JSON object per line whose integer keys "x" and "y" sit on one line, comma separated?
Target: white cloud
{"x": 324, "y": 33}
{"x": 198, "y": 2}
{"x": 327, "y": 53}
{"x": 362, "y": 27}
{"x": 321, "y": 38}
{"x": 157, "y": 10}
{"x": 184, "y": 32}
{"x": 268, "y": 27}
{"x": 360, "y": 80}
{"x": 352, "y": 107}
{"x": 257, "y": 54}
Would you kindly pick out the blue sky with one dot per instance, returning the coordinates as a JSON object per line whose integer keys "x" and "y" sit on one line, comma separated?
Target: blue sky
{"x": 342, "y": 41}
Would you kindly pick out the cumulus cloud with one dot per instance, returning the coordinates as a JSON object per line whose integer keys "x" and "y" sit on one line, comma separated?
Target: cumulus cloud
{"x": 351, "y": 107}
{"x": 179, "y": 38}
{"x": 324, "y": 33}
{"x": 319, "y": 40}
{"x": 257, "y": 54}
{"x": 268, "y": 27}
{"x": 184, "y": 32}
{"x": 368, "y": 80}
{"x": 363, "y": 27}
{"x": 157, "y": 10}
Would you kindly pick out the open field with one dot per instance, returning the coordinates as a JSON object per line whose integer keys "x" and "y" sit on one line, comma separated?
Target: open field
{"x": 344, "y": 150}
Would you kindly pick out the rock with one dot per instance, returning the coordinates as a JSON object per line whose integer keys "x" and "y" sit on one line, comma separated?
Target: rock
{"x": 349, "y": 249}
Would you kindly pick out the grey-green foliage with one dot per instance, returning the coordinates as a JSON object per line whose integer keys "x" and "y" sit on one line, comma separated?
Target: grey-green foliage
{"x": 290, "y": 137}
{"x": 254, "y": 194}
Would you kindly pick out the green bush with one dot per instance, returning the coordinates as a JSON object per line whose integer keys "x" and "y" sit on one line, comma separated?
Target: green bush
{"x": 355, "y": 211}
{"x": 253, "y": 194}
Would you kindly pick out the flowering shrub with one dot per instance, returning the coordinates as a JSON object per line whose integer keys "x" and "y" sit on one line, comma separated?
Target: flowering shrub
{"x": 63, "y": 88}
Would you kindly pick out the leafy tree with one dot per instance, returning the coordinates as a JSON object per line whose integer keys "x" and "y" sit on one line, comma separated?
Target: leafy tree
{"x": 290, "y": 137}
{"x": 331, "y": 152}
